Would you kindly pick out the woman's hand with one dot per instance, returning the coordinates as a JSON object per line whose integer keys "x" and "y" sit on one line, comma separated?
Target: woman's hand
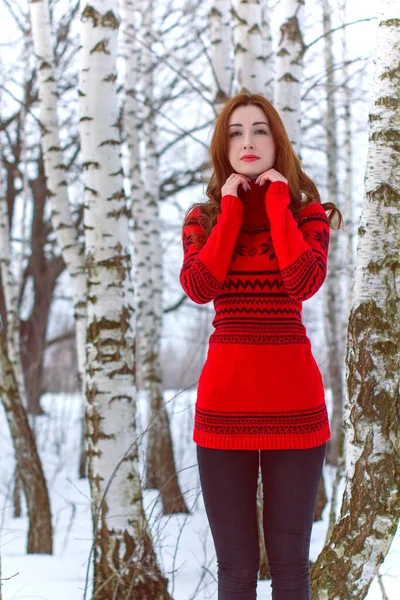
{"x": 232, "y": 183}
{"x": 271, "y": 175}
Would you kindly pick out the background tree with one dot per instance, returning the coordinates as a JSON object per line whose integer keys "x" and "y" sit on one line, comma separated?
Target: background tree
{"x": 220, "y": 39}
{"x": 250, "y": 63}
{"x": 56, "y": 184}
{"x": 333, "y": 296}
{"x": 289, "y": 69}
{"x": 124, "y": 560}
{"x": 370, "y": 510}
{"x": 29, "y": 468}
{"x": 160, "y": 464}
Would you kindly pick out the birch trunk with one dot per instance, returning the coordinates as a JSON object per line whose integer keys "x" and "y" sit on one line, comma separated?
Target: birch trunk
{"x": 40, "y": 533}
{"x": 11, "y": 279}
{"x": 29, "y": 468}
{"x": 160, "y": 464}
{"x": 125, "y": 564}
{"x": 347, "y": 193}
{"x": 268, "y": 74}
{"x": 219, "y": 15}
{"x": 133, "y": 119}
{"x": 11, "y": 297}
{"x": 248, "y": 46}
{"x": 349, "y": 251}
{"x": 11, "y": 291}
{"x": 333, "y": 303}
{"x": 370, "y": 510}
{"x": 289, "y": 70}
{"x": 57, "y": 189}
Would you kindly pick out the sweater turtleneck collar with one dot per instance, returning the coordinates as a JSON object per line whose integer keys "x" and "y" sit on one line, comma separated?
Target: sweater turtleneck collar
{"x": 254, "y": 202}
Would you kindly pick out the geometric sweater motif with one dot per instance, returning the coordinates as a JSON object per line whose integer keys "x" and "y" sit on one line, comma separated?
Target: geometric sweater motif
{"x": 260, "y": 386}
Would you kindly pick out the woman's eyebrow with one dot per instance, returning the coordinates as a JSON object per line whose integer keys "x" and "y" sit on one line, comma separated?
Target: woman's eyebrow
{"x": 256, "y": 123}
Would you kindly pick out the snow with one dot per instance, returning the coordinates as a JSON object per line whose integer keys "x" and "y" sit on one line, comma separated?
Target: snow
{"x": 184, "y": 543}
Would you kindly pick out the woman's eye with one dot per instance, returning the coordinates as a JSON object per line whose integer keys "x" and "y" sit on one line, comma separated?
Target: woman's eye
{"x": 258, "y": 131}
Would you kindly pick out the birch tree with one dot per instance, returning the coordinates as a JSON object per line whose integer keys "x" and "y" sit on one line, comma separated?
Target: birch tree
{"x": 343, "y": 316}
{"x": 268, "y": 53}
{"x": 370, "y": 510}
{"x": 250, "y": 71}
{"x": 219, "y": 16}
{"x": 160, "y": 464}
{"x": 348, "y": 210}
{"x": 332, "y": 290}
{"x": 124, "y": 560}
{"x": 43, "y": 266}
{"x": 289, "y": 69}
{"x": 11, "y": 275}
{"x": 11, "y": 280}
{"x": 57, "y": 188}
{"x": 40, "y": 533}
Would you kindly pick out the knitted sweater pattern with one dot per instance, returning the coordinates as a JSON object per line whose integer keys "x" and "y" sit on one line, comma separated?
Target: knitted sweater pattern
{"x": 260, "y": 386}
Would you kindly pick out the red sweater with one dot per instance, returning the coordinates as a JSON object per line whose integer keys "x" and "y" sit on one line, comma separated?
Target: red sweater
{"x": 260, "y": 386}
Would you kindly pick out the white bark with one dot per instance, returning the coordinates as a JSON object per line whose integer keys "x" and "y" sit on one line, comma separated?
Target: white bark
{"x": 15, "y": 277}
{"x": 333, "y": 302}
{"x": 248, "y": 46}
{"x": 268, "y": 74}
{"x": 160, "y": 465}
{"x": 133, "y": 120}
{"x": 11, "y": 288}
{"x": 149, "y": 250}
{"x": 220, "y": 19}
{"x": 348, "y": 211}
{"x": 289, "y": 69}
{"x": 122, "y": 537}
{"x": 11, "y": 265}
{"x": 110, "y": 382}
{"x": 144, "y": 187}
{"x": 151, "y": 318}
{"x": 62, "y": 222}
{"x": 131, "y": 51}
{"x": 379, "y": 240}
{"x": 369, "y": 515}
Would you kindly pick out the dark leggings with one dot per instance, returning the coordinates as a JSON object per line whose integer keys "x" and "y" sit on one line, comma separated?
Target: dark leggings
{"x": 290, "y": 483}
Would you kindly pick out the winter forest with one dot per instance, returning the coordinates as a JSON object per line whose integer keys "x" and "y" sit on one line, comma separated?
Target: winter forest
{"x": 106, "y": 114}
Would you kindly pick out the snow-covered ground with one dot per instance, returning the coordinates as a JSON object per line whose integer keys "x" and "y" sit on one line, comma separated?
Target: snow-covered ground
{"x": 183, "y": 542}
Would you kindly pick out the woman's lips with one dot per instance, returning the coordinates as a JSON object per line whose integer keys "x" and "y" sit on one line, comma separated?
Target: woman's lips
{"x": 249, "y": 159}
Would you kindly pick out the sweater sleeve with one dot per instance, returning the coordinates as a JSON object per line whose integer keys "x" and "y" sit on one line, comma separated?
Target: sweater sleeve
{"x": 203, "y": 271}
{"x": 301, "y": 244}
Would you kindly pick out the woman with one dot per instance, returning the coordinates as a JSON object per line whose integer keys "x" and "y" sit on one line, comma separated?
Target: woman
{"x": 258, "y": 248}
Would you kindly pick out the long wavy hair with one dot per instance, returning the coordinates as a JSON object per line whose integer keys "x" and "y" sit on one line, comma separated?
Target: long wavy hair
{"x": 301, "y": 188}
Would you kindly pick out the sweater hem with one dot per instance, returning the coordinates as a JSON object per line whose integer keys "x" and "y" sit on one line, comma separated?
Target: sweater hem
{"x": 261, "y": 442}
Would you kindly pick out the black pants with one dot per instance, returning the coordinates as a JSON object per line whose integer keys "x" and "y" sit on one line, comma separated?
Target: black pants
{"x": 290, "y": 483}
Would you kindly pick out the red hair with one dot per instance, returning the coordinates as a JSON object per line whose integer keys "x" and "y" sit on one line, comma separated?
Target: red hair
{"x": 301, "y": 188}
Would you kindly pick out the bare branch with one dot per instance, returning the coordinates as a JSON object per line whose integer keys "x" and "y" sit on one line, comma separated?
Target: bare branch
{"x": 321, "y": 37}
{"x": 21, "y": 19}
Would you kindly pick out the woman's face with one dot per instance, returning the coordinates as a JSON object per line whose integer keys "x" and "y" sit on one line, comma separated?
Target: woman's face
{"x": 249, "y": 134}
